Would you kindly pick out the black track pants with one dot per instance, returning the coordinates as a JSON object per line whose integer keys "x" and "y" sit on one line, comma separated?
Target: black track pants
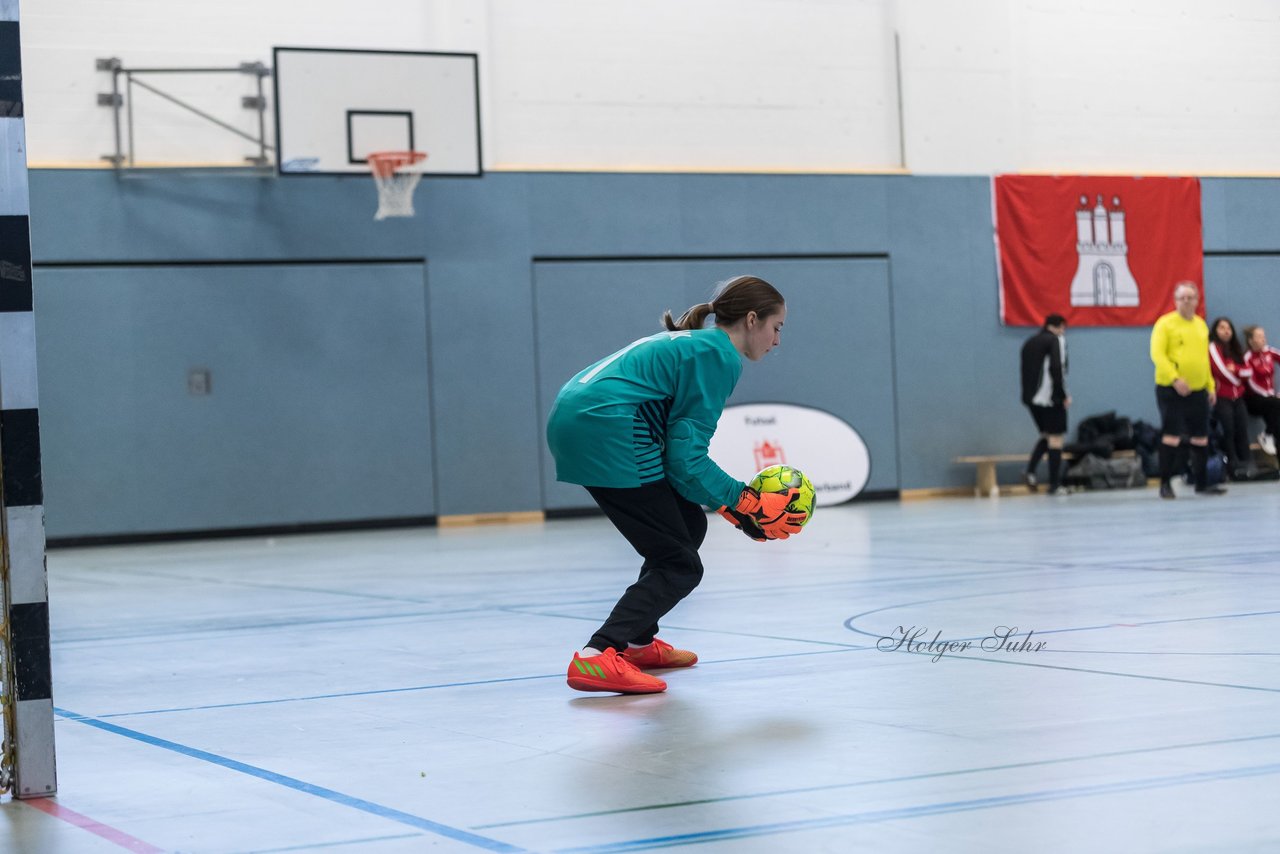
{"x": 666, "y": 530}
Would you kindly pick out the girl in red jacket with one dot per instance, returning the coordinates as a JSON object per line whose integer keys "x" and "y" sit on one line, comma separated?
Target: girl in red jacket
{"x": 1226, "y": 361}
{"x": 1260, "y": 396}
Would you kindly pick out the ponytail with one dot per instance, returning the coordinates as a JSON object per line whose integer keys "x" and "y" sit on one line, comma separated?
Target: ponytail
{"x": 694, "y": 318}
{"x": 734, "y": 300}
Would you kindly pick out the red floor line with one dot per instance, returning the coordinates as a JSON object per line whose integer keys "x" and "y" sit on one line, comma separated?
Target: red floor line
{"x": 119, "y": 837}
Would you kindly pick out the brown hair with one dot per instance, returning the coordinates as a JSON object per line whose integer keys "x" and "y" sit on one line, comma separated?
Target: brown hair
{"x": 1248, "y": 333}
{"x": 734, "y": 300}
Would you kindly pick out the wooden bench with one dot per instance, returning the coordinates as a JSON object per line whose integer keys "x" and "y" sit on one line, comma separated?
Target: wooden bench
{"x": 986, "y": 463}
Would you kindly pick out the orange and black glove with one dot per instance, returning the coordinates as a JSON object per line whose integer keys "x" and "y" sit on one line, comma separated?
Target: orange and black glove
{"x": 769, "y": 510}
{"x": 743, "y": 523}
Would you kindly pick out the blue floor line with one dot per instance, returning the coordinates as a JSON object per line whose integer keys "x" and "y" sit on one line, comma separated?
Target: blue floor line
{"x": 335, "y": 696}
{"x": 1140, "y": 624}
{"x": 667, "y": 628}
{"x": 412, "y": 688}
{"x": 851, "y": 622}
{"x": 1202, "y": 682}
{"x": 299, "y": 785}
{"x": 265, "y": 626}
{"x": 923, "y": 810}
{"x": 1024, "y": 567}
{"x": 510, "y": 679}
{"x": 341, "y": 842}
{"x": 911, "y": 778}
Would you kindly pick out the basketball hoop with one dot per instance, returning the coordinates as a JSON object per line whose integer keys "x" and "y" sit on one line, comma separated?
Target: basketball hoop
{"x": 396, "y": 177}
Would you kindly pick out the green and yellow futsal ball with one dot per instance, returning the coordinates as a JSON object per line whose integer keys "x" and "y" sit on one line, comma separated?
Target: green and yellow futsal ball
{"x": 783, "y": 478}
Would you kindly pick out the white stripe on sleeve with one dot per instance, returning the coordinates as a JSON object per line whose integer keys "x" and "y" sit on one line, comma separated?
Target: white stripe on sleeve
{"x": 1217, "y": 360}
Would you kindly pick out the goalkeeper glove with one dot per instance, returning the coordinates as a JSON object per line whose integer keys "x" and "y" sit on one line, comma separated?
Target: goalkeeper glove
{"x": 743, "y": 523}
{"x": 769, "y": 509}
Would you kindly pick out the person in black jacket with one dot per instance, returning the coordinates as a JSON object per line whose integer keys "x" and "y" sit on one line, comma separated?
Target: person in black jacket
{"x": 1044, "y": 393}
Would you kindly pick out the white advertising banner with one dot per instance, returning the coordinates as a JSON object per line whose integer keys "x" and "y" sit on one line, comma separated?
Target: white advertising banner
{"x": 754, "y": 436}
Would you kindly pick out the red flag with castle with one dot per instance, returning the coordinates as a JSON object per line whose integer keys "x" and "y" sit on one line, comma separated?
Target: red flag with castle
{"x": 1100, "y": 251}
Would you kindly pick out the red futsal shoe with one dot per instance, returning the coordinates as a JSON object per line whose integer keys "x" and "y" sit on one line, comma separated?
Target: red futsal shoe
{"x": 609, "y": 671}
{"x": 659, "y": 654}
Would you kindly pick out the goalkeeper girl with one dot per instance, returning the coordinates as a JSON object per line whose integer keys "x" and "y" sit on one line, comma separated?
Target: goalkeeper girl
{"x": 633, "y": 429}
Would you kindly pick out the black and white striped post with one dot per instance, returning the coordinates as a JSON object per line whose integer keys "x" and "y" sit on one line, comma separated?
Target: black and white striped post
{"x": 22, "y": 546}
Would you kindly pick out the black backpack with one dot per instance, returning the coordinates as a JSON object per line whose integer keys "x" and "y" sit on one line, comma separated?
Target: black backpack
{"x": 1094, "y": 472}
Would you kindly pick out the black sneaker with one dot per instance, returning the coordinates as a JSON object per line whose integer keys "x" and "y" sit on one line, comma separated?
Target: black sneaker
{"x": 1166, "y": 489}
{"x": 1212, "y": 490}
{"x": 1029, "y": 478}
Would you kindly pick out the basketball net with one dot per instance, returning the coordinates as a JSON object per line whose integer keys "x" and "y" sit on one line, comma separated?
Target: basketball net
{"x": 395, "y": 176}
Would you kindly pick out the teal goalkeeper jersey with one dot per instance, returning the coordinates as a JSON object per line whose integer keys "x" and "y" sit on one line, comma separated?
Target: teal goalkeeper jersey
{"x": 647, "y": 413}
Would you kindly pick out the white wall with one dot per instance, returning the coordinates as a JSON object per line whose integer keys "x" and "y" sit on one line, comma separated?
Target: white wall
{"x": 702, "y": 85}
{"x": 1148, "y": 86}
{"x": 743, "y": 85}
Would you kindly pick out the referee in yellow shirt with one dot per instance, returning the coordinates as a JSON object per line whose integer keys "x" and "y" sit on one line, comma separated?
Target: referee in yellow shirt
{"x": 1184, "y": 389}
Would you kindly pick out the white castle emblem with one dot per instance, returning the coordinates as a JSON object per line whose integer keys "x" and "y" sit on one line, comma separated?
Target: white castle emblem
{"x": 1103, "y": 276}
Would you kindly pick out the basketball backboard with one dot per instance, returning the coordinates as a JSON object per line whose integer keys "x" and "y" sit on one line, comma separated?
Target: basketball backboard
{"x": 334, "y": 107}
